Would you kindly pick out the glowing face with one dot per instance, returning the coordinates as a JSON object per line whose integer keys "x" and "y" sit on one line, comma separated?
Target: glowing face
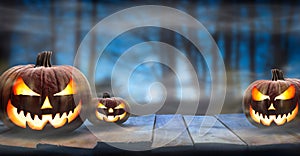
{"x": 279, "y": 109}
{"x": 111, "y": 111}
{"x": 27, "y": 107}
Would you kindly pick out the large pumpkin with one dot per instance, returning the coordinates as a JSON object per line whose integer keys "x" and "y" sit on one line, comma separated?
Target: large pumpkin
{"x": 109, "y": 110}
{"x": 43, "y": 97}
{"x": 272, "y": 102}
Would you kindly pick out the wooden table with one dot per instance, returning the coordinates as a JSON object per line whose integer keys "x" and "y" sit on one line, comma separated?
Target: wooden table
{"x": 225, "y": 134}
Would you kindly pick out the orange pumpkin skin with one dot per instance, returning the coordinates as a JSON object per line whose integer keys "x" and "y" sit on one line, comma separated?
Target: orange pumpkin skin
{"x": 272, "y": 102}
{"x": 43, "y": 97}
{"x": 109, "y": 110}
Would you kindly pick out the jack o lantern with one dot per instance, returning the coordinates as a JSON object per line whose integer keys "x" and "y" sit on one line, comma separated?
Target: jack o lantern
{"x": 109, "y": 110}
{"x": 272, "y": 102}
{"x": 42, "y": 97}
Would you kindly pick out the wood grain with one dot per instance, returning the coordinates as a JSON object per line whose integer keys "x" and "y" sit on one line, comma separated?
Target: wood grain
{"x": 255, "y": 136}
{"x": 80, "y": 138}
{"x": 18, "y": 139}
{"x": 170, "y": 130}
{"x": 153, "y": 131}
{"x": 135, "y": 129}
{"x": 207, "y": 129}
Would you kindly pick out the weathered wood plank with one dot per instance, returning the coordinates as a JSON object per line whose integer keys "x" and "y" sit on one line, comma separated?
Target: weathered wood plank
{"x": 207, "y": 129}
{"x": 3, "y": 128}
{"x": 293, "y": 128}
{"x": 80, "y": 138}
{"x": 13, "y": 150}
{"x": 47, "y": 149}
{"x": 18, "y": 139}
{"x": 170, "y": 130}
{"x": 255, "y": 136}
{"x": 134, "y": 134}
{"x": 135, "y": 129}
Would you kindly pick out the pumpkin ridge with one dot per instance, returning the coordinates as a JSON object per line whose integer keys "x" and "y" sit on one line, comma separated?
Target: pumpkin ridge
{"x": 58, "y": 84}
{"x": 32, "y": 72}
{"x": 5, "y": 79}
{"x": 83, "y": 85}
{"x": 7, "y": 75}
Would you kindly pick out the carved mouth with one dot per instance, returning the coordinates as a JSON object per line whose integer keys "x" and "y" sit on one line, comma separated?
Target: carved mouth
{"x": 110, "y": 118}
{"x": 38, "y": 122}
{"x": 279, "y": 119}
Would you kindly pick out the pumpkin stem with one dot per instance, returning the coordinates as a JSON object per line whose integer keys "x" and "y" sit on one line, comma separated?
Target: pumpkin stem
{"x": 44, "y": 59}
{"x": 106, "y": 95}
{"x": 277, "y": 74}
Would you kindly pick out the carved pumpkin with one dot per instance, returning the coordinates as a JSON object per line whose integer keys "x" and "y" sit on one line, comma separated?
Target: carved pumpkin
{"x": 272, "y": 102}
{"x": 109, "y": 110}
{"x": 42, "y": 97}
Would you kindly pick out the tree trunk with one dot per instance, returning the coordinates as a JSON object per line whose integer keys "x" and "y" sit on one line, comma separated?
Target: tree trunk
{"x": 252, "y": 47}
{"x": 5, "y": 44}
{"x": 53, "y": 31}
{"x": 78, "y": 29}
{"x": 93, "y": 51}
{"x": 194, "y": 56}
{"x": 287, "y": 33}
{"x": 169, "y": 78}
{"x": 279, "y": 54}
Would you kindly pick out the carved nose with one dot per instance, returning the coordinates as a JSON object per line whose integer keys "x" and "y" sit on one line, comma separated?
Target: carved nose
{"x": 110, "y": 110}
{"x": 46, "y": 104}
{"x": 271, "y": 107}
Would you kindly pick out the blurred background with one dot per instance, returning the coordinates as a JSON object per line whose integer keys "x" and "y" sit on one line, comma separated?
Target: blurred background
{"x": 253, "y": 38}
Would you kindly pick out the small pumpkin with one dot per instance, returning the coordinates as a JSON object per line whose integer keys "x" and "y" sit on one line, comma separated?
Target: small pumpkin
{"x": 272, "y": 102}
{"x": 109, "y": 110}
{"x": 42, "y": 97}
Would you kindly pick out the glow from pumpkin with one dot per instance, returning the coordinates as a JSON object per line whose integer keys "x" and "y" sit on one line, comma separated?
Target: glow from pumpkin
{"x": 268, "y": 119}
{"x": 20, "y": 88}
{"x": 46, "y": 104}
{"x": 59, "y": 120}
{"x": 110, "y": 118}
{"x": 258, "y": 96}
{"x": 69, "y": 90}
{"x": 279, "y": 119}
{"x": 287, "y": 94}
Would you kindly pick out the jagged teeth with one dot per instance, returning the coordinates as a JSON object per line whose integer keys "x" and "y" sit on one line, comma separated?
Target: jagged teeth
{"x": 23, "y": 118}
{"x": 64, "y": 115}
{"x": 279, "y": 119}
{"x": 32, "y": 115}
{"x": 21, "y": 113}
{"x": 110, "y": 117}
{"x": 279, "y": 116}
{"x": 70, "y": 113}
{"x": 53, "y": 117}
{"x": 40, "y": 116}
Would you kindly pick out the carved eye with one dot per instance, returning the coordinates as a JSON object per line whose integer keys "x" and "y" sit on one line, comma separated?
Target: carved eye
{"x": 258, "y": 96}
{"x": 287, "y": 94}
{"x": 120, "y": 106}
{"x": 100, "y": 105}
{"x": 20, "y": 88}
{"x": 69, "y": 90}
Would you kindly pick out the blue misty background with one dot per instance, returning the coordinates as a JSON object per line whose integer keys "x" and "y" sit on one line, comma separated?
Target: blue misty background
{"x": 253, "y": 38}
